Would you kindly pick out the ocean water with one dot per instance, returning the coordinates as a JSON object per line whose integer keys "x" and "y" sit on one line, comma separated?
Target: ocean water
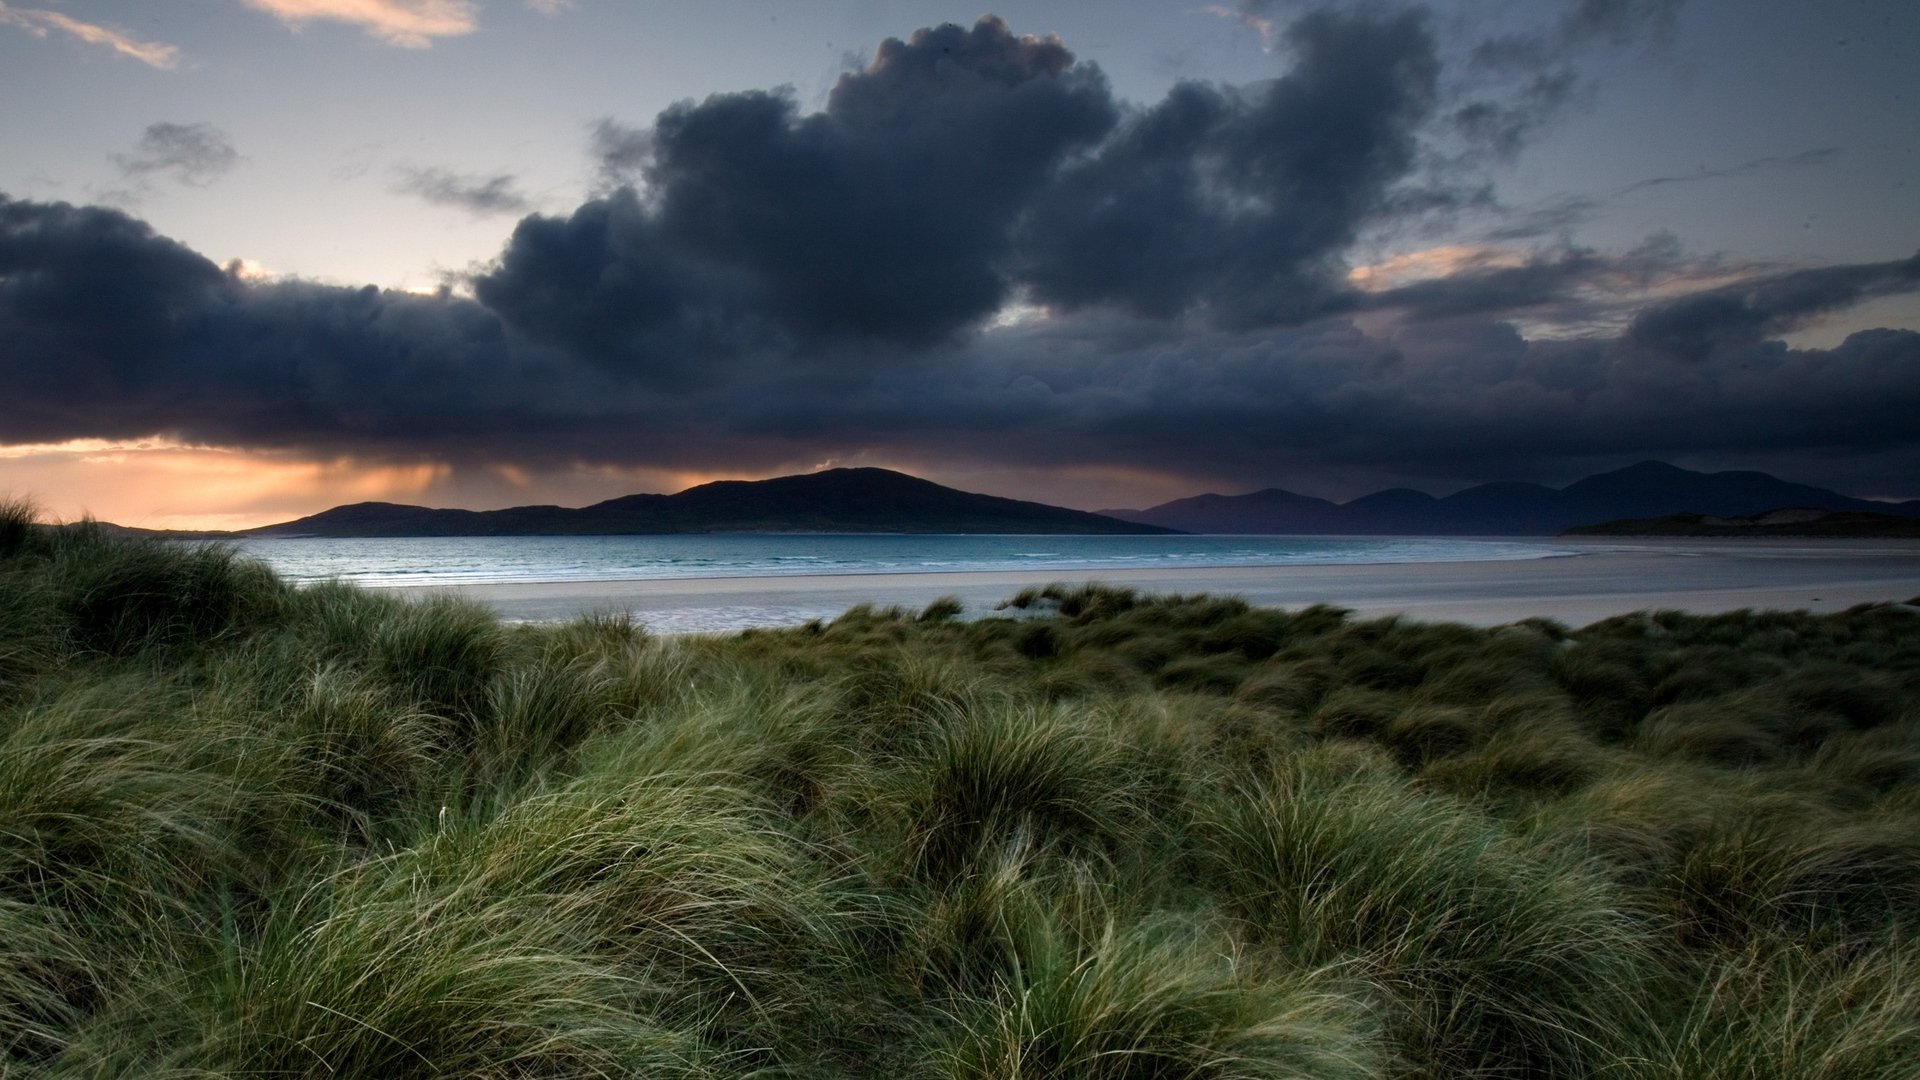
{"x": 386, "y": 562}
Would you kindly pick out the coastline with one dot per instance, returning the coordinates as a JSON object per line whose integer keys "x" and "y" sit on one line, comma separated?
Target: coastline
{"x": 1613, "y": 577}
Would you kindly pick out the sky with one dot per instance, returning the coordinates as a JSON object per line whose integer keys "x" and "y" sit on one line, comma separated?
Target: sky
{"x": 262, "y": 257}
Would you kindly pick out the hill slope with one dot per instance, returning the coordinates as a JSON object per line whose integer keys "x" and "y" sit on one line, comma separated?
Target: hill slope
{"x": 837, "y": 500}
{"x": 1650, "y": 489}
{"x": 1787, "y": 522}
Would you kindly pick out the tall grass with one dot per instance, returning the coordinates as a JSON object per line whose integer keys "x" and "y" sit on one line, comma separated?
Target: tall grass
{"x": 253, "y": 830}
{"x": 1492, "y": 955}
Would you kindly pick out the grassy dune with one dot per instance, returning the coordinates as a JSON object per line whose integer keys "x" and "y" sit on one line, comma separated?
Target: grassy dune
{"x": 251, "y": 830}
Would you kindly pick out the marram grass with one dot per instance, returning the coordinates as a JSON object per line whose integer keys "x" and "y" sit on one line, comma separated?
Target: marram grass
{"x": 250, "y": 830}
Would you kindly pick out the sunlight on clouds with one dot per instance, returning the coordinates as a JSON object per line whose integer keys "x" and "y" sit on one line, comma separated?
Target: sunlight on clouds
{"x": 159, "y": 484}
{"x": 37, "y": 22}
{"x": 1019, "y": 313}
{"x": 513, "y": 474}
{"x": 410, "y": 24}
{"x": 1246, "y": 15}
{"x": 249, "y": 271}
{"x": 1438, "y": 262}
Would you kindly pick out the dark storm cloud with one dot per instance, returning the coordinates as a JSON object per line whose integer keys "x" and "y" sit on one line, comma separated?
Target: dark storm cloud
{"x": 884, "y": 218}
{"x": 778, "y": 286}
{"x": 1241, "y": 200}
{"x": 1740, "y": 316}
{"x": 109, "y": 330}
{"x": 192, "y": 154}
{"x": 477, "y": 195}
{"x": 609, "y": 284}
{"x": 1451, "y": 401}
{"x": 961, "y": 167}
{"x": 1514, "y": 66}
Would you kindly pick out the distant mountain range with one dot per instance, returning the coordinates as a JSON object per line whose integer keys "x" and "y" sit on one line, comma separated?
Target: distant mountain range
{"x": 880, "y": 500}
{"x": 833, "y": 501}
{"x": 1650, "y": 489}
{"x": 1796, "y": 521}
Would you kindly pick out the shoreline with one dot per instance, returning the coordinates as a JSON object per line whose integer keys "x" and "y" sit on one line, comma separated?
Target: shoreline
{"x": 1615, "y": 577}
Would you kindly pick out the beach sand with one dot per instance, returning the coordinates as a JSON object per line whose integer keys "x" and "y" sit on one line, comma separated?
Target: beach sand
{"x": 1606, "y": 578}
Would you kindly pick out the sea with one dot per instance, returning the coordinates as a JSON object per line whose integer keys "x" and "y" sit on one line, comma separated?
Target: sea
{"x": 450, "y": 561}
{"x": 486, "y": 560}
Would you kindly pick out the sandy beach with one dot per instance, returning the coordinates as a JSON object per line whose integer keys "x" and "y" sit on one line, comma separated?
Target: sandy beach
{"x": 1606, "y": 578}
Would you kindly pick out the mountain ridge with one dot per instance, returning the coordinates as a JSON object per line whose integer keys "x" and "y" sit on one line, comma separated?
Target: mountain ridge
{"x": 830, "y": 501}
{"x": 1645, "y": 490}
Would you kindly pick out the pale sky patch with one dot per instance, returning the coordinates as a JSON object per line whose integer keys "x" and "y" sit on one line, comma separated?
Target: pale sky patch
{"x": 410, "y": 24}
{"x": 38, "y": 22}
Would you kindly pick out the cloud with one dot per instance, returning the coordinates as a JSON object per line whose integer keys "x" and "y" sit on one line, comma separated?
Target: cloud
{"x": 1517, "y": 80}
{"x": 550, "y": 7}
{"x": 192, "y": 154}
{"x": 620, "y": 152}
{"x": 477, "y": 195}
{"x": 962, "y": 169}
{"x": 884, "y": 219}
{"x": 37, "y": 22}
{"x": 975, "y": 256}
{"x": 1742, "y": 315}
{"x": 115, "y": 332}
{"x": 1241, "y": 201}
{"x": 1821, "y": 156}
{"x": 410, "y": 24}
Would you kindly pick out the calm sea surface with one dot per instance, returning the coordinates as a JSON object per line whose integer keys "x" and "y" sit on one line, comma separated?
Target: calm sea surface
{"x": 498, "y": 559}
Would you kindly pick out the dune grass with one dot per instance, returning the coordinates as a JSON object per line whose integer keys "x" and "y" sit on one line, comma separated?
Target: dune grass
{"x": 253, "y": 830}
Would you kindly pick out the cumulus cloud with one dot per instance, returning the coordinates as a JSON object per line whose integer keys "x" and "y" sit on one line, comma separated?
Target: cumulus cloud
{"x": 1240, "y": 201}
{"x": 38, "y": 22}
{"x": 962, "y": 168}
{"x": 476, "y": 194}
{"x": 885, "y": 218}
{"x": 410, "y": 24}
{"x": 1513, "y": 66}
{"x": 192, "y": 154}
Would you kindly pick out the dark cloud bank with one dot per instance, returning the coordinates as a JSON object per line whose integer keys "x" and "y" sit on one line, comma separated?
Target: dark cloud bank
{"x": 779, "y": 286}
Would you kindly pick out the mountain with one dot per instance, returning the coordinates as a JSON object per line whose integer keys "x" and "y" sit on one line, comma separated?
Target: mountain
{"x": 834, "y": 501}
{"x": 1648, "y": 490}
{"x": 1796, "y": 521}
{"x": 1272, "y": 510}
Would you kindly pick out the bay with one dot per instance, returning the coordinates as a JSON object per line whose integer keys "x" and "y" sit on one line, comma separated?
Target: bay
{"x": 379, "y": 562}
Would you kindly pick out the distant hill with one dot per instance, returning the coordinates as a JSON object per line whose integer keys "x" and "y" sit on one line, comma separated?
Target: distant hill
{"x": 834, "y": 501}
{"x": 1797, "y": 521}
{"x": 1650, "y": 489}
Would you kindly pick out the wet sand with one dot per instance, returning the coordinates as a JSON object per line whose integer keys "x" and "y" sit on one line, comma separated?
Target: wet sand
{"x": 1607, "y": 578}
